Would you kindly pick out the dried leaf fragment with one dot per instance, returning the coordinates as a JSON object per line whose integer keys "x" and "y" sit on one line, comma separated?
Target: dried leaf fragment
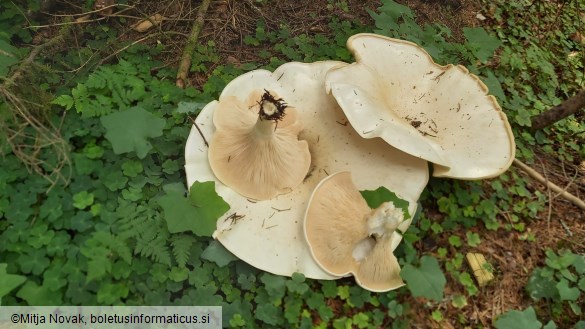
{"x": 480, "y": 268}
{"x": 146, "y": 24}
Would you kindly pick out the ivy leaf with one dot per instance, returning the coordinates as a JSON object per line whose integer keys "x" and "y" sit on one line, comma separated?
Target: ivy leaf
{"x": 425, "y": 281}
{"x": 518, "y": 320}
{"x": 9, "y": 281}
{"x": 377, "y": 197}
{"x": 129, "y": 130}
{"x": 218, "y": 254}
{"x": 197, "y": 213}
{"x": 481, "y": 43}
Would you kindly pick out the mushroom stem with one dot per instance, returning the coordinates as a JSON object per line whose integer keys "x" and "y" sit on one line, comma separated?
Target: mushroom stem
{"x": 264, "y": 128}
{"x": 384, "y": 220}
{"x": 271, "y": 111}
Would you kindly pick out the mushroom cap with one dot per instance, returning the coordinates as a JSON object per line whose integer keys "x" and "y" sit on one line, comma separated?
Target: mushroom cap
{"x": 269, "y": 234}
{"x": 336, "y": 230}
{"x": 442, "y": 114}
{"x": 255, "y": 166}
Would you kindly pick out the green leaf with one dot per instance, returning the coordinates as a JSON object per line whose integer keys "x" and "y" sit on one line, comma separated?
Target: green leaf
{"x": 360, "y": 320}
{"x": 459, "y": 301}
{"x": 218, "y": 254}
{"x": 189, "y": 107}
{"x": 494, "y": 86}
{"x": 179, "y": 274}
{"x": 269, "y": 313}
{"x": 34, "y": 262}
{"x": 523, "y": 117}
{"x": 111, "y": 293}
{"x": 425, "y": 281}
{"x": 473, "y": 239}
{"x": 518, "y": 320}
{"x": 481, "y": 43}
{"x": 37, "y": 295}
{"x": 181, "y": 248}
{"x": 54, "y": 278}
{"x": 274, "y": 284}
{"x": 9, "y": 281}
{"x": 8, "y": 57}
{"x": 455, "y": 241}
{"x": 297, "y": 284}
{"x": 130, "y": 130}
{"x": 579, "y": 264}
{"x": 197, "y": 213}
{"x": 390, "y": 13}
{"x": 82, "y": 200}
{"x": 64, "y": 100}
{"x": 377, "y": 197}
{"x": 550, "y": 325}
{"x": 566, "y": 292}
{"x": 132, "y": 168}
{"x": 329, "y": 288}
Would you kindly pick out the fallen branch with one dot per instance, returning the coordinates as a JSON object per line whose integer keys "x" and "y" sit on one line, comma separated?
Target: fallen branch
{"x": 575, "y": 200}
{"x": 185, "y": 63}
{"x": 571, "y": 106}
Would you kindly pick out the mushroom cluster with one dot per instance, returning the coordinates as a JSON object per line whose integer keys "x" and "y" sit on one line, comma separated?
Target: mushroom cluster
{"x": 290, "y": 150}
{"x": 268, "y": 234}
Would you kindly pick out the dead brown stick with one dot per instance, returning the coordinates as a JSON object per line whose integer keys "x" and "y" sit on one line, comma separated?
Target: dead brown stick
{"x": 559, "y": 112}
{"x": 575, "y": 200}
{"x": 185, "y": 63}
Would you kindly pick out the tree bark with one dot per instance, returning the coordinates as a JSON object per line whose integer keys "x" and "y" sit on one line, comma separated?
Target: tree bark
{"x": 559, "y": 112}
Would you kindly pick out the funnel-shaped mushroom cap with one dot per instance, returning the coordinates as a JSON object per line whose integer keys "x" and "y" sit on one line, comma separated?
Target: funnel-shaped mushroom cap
{"x": 442, "y": 114}
{"x": 269, "y": 234}
{"x": 258, "y": 158}
{"x": 346, "y": 236}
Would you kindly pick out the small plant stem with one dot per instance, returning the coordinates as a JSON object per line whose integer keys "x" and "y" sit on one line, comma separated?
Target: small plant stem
{"x": 575, "y": 200}
{"x": 185, "y": 63}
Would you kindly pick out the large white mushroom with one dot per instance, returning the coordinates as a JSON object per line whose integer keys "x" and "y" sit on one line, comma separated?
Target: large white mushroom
{"x": 442, "y": 114}
{"x": 269, "y": 234}
{"x": 346, "y": 236}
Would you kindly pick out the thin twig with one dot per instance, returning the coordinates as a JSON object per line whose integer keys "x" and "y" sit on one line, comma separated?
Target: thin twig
{"x": 200, "y": 132}
{"x": 550, "y": 200}
{"x": 185, "y": 63}
{"x": 575, "y": 200}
